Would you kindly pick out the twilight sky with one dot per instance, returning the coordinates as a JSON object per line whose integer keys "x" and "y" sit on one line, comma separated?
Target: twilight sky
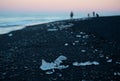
{"x": 60, "y": 5}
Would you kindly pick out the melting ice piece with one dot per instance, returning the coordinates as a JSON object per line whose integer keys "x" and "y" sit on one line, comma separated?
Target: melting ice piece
{"x": 62, "y": 67}
{"x": 59, "y": 60}
{"x": 85, "y": 63}
{"x": 66, "y": 26}
{"x": 52, "y": 29}
{"x": 82, "y": 33}
{"x": 49, "y": 72}
{"x": 10, "y": 34}
{"x": 54, "y": 65}
{"x": 85, "y": 36}
{"x": 110, "y": 60}
{"x": 66, "y": 44}
{"x": 73, "y": 43}
{"x": 117, "y": 62}
{"x": 117, "y": 73}
{"x": 78, "y": 36}
{"x": 83, "y": 51}
{"x": 47, "y": 66}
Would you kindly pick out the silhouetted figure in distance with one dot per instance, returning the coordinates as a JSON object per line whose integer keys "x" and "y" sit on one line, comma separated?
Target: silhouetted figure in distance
{"x": 88, "y": 15}
{"x": 93, "y": 14}
{"x": 97, "y": 15}
{"x": 71, "y": 15}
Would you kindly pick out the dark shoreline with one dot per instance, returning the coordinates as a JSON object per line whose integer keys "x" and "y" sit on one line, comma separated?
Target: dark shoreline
{"x": 94, "y": 39}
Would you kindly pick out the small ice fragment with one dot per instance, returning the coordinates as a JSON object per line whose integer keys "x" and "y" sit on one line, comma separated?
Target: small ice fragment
{"x": 66, "y": 44}
{"x": 62, "y": 67}
{"x": 83, "y": 80}
{"x": 85, "y": 63}
{"x": 82, "y": 33}
{"x": 107, "y": 57}
{"x": 66, "y": 26}
{"x": 96, "y": 50}
{"x": 49, "y": 72}
{"x": 95, "y": 63}
{"x": 117, "y": 62}
{"x": 101, "y": 55}
{"x": 76, "y": 41}
{"x": 52, "y": 29}
{"x": 60, "y": 75}
{"x": 54, "y": 65}
{"x": 73, "y": 43}
{"x": 83, "y": 51}
{"x": 10, "y": 35}
{"x": 110, "y": 60}
{"x": 78, "y": 36}
{"x": 75, "y": 64}
{"x": 85, "y": 36}
{"x": 59, "y": 60}
{"x": 117, "y": 73}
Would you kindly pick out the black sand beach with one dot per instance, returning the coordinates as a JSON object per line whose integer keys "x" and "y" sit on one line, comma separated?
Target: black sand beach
{"x": 94, "y": 40}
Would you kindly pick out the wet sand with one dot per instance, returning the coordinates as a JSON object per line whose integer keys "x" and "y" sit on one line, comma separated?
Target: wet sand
{"x": 81, "y": 41}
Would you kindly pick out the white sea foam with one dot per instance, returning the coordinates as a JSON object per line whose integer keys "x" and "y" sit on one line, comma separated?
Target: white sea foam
{"x": 9, "y": 29}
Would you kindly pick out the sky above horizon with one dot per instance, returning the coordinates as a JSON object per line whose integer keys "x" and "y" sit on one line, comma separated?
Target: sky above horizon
{"x": 60, "y": 5}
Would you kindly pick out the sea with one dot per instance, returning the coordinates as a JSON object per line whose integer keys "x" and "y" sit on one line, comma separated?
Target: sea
{"x": 16, "y": 21}
{"x": 12, "y": 21}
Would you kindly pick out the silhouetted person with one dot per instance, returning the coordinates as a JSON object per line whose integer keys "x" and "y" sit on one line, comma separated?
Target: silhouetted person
{"x": 71, "y": 15}
{"x": 88, "y": 15}
{"x": 93, "y": 14}
{"x": 97, "y": 15}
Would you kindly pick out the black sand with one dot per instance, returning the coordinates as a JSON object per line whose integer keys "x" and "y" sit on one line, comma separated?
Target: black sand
{"x": 21, "y": 51}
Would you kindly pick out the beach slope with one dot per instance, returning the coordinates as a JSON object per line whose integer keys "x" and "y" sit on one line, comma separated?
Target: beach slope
{"x": 68, "y": 50}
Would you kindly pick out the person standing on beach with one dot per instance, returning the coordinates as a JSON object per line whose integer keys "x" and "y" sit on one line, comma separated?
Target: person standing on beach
{"x": 71, "y": 15}
{"x": 97, "y": 15}
{"x": 93, "y": 14}
{"x": 88, "y": 15}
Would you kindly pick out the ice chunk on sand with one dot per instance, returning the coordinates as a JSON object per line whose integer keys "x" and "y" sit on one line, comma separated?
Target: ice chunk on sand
{"x": 49, "y": 72}
{"x": 52, "y": 29}
{"x": 10, "y": 34}
{"x": 47, "y": 66}
{"x": 85, "y": 63}
{"x": 117, "y": 73}
{"x": 110, "y": 60}
{"x": 76, "y": 41}
{"x": 78, "y": 36}
{"x": 85, "y": 36}
{"x": 66, "y": 26}
{"x": 66, "y": 44}
{"x": 117, "y": 62}
{"x": 73, "y": 43}
{"x": 54, "y": 65}
{"x": 59, "y": 60}
{"x": 83, "y": 51}
{"x": 82, "y": 33}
